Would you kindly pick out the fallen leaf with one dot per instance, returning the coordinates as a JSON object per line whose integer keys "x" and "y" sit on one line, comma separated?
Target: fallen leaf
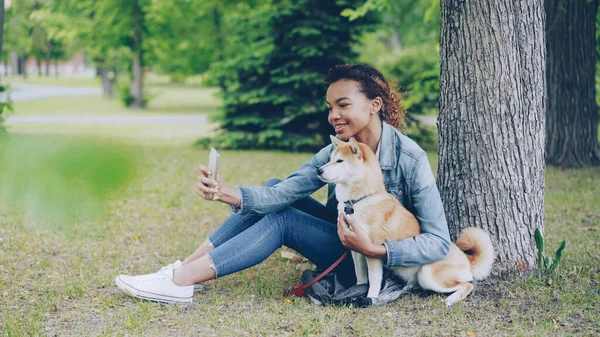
{"x": 286, "y": 254}
{"x": 471, "y": 333}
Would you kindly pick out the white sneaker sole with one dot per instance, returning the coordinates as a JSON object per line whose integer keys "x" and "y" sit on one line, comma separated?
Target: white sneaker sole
{"x": 150, "y": 296}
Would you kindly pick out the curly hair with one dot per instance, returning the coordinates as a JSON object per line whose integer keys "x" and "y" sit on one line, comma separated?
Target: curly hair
{"x": 373, "y": 84}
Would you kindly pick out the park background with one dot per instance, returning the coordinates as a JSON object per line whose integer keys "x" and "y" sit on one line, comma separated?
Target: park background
{"x": 109, "y": 106}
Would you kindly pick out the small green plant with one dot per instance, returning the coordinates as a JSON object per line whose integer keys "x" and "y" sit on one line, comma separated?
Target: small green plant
{"x": 547, "y": 265}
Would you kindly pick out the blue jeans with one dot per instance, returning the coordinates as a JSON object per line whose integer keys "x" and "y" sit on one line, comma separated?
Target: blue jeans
{"x": 306, "y": 226}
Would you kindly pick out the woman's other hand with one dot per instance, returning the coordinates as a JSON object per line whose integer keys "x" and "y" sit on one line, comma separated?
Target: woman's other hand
{"x": 354, "y": 238}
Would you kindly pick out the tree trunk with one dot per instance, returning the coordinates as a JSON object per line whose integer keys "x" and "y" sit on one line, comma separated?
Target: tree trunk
{"x": 395, "y": 41}
{"x": 219, "y": 43}
{"x": 137, "y": 80}
{"x": 572, "y": 115}
{"x": 108, "y": 81}
{"x": 14, "y": 63}
{"x": 48, "y": 58}
{"x": 23, "y": 65}
{"x": 2, "y": 12}
{"x": 38, "y": 62}
{"x": 491, "y": 124}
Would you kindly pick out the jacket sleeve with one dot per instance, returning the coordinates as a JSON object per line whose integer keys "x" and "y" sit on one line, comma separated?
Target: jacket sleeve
{"x": 262, "y": 200}
{"x": 433, "y": 244}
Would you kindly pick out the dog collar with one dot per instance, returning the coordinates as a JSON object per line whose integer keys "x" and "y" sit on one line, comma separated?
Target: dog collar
{"x": 349, "y": 204}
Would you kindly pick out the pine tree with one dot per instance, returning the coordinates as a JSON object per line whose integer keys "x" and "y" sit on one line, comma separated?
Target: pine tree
{"x": 274, "y": 95}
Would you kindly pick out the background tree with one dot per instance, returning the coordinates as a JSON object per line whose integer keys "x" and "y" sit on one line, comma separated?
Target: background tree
{"x": 18, "y": 33}
{"x": 183, "y": 40}
{"x": 274, "y": 90}
{"x": 405, "y": 47}
{"x": 2, "y": 129}
{"x": 572, "y": 115}
{"x": 491, "y": 123}
{"x": 2, "y": 12}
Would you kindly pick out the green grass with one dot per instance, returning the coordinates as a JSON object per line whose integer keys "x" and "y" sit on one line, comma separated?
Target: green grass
{"x": 61, "y": 283}
{"x": 166, "y": 101}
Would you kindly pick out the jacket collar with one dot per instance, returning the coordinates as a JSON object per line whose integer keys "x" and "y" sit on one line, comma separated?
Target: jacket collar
{"x": 387, "y": 149}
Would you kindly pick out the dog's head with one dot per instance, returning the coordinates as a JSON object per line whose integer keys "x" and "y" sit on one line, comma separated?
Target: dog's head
{"x": 348, "y": 162}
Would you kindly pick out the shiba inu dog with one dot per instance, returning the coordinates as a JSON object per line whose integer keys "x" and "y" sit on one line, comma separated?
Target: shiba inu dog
{"x": 355, "y": 170}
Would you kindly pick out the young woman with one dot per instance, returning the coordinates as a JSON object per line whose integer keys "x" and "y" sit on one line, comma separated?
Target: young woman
{"x": 363, "y": 105}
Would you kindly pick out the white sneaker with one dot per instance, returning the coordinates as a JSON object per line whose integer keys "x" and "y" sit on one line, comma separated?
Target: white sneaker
{"x": 197, "y": 287}
{"x": 157, "y": 287}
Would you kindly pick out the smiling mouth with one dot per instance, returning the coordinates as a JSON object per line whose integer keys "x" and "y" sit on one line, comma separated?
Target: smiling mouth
{"x": 340, "y": 126}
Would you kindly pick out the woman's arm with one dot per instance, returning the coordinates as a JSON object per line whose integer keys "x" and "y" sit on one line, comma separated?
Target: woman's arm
{"x": 303, "y": 182}
{"x": 433, "y": 244}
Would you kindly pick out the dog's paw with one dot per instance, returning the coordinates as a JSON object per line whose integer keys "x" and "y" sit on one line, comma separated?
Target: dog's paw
{"x": 452, "y": 299}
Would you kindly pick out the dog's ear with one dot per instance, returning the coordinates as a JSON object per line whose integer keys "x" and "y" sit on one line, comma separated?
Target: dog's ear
{"x": 355, "y": 148}
{"x": 335, "y": 141}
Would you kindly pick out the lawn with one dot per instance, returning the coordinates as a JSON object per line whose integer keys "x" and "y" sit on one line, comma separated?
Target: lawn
{"x": 61, "y": 282}
{"x": 166, "y": 100}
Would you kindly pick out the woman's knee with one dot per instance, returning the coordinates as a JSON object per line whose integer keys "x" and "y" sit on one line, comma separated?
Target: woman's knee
{"x": 272, "y": 182}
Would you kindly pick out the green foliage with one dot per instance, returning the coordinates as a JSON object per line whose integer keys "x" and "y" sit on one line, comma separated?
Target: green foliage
{"x": 406, "y": 49}
{"x": 60, "y": 181}
{"x": 182, "y": 38}
{"x": 547, "y": 265}
{"x": 123, "y": 87}
{"x": 417, "y": 71}
{"x": 5, "y": 105}
{"x": 274, "y": 86}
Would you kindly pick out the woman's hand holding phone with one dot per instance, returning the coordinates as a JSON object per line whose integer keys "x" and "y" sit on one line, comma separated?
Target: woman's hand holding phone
{"x": 206, "y": 187}
{"x": 210, "y": 187}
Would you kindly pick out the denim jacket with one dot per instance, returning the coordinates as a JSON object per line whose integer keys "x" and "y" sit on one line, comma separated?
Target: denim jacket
{"x": 407, "y": 175}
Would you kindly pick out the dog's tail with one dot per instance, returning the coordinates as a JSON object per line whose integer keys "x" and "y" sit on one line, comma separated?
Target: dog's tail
{"x": 477, "y": 245}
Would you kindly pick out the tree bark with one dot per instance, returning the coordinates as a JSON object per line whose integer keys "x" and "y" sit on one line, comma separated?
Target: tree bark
{"x": 108, "y": 81}
{"x": 23, "y": 65}
{"x": 14, "y": 63}
{"x": 2, "y": 12}
{"x": 48, "y": 58}
{"x": 219, "y": 42}
{"x": 38, "y": 62}
{"x": 572, "y": 114}
{"x": 492, "y": 122}
{"x": 137, "y": 71}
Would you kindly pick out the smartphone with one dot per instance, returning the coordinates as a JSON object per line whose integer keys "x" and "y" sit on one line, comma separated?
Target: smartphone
{"x": 213, "y": 166}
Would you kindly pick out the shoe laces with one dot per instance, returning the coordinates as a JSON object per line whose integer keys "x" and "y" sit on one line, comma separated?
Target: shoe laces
{"x": 172, "y": 265}
{"x": 153, "y": 277}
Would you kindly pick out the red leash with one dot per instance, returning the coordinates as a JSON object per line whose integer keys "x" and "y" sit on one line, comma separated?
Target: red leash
{"x": 300, "y": 289}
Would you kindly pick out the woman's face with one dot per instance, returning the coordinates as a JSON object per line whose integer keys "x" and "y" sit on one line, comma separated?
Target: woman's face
{"x": 350, "y": 111}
